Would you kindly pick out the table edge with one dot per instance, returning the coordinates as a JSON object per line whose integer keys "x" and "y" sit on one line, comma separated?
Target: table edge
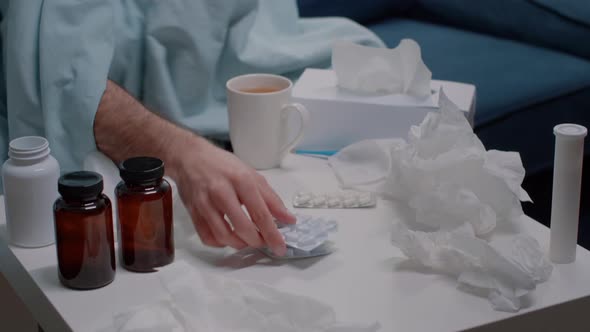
{"x": 42, "y": 310}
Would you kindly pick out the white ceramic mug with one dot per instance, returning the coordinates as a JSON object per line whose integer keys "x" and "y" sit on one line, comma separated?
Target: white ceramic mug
{"x": 259, "y": 107}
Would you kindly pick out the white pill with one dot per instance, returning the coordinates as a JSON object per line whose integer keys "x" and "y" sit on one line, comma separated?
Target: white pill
{"x": 319, "y": 200}
{"x": 365, "y": 199}
{"x": 334, "y": 202}
{"x": 350, "y": 202}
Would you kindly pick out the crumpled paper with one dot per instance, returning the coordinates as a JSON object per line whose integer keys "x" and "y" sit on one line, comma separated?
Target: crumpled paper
{"x": 381, "y": 70}
{"x": 203, "y": 302}
{"x": 452, "y": 184}
{"x": 442, "y": 171}
{"x": 503, "y": 270}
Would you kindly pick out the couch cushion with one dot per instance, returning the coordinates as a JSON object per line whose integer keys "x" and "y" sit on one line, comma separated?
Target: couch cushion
{"x": 360, "y": 11}
{"x": 508, "y": 75}
{"x": 576, "y": 10}
{"x": 530, "y": 21}
{"x": 522, "y": 90}
{"x": 530, "y": 129}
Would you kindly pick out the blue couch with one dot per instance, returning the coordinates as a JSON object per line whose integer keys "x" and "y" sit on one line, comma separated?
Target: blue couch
{"x": 529, "y": 59}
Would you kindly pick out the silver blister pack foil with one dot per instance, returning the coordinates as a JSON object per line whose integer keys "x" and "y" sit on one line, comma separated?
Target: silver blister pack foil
{"x": 334, "y": 200}
{"x": 306, "y": 238}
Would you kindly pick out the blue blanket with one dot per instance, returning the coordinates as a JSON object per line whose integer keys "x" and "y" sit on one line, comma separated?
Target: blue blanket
{"x": 173, "y": 55}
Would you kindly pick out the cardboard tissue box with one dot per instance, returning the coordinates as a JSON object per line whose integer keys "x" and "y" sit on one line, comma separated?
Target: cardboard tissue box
{"x": 340, "y": 117}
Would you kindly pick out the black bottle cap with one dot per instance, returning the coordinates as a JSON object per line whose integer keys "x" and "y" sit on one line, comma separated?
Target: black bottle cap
{"x": 140, "y": 170}
{"x": 80, "y": 185}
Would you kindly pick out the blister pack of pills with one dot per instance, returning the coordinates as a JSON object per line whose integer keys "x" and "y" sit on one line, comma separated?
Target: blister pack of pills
{"x": 334, "y": 200}
{"x": 306, "y": 238}
{"x": 293, "y": 253}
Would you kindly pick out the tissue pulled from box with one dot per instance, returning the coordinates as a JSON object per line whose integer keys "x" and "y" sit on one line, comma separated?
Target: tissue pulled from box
{"x": 198, "y": 301}
{"x": 451, "y": 183}
{"x": 380, "y": 70}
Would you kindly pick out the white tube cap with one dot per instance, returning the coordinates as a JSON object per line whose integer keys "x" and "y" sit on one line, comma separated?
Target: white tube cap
{"x": 570, "y": 130}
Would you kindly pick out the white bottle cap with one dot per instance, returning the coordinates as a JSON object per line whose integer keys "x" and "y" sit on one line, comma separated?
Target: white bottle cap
{"x": 570, "y": 130}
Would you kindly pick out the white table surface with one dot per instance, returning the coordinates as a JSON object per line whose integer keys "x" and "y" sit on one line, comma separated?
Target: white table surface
{"x": 365, "y": 280}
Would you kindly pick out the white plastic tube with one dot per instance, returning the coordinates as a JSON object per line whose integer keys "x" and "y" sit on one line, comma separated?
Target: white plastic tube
{"x": 567, "y": 181}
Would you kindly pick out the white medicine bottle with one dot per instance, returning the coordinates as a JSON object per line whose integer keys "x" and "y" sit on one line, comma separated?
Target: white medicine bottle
{"x": 30, "y": 187}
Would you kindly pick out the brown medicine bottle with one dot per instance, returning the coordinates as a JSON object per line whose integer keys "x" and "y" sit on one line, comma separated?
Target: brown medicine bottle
{"x": 144, "y": 204}
{"x": 84, "y": 232}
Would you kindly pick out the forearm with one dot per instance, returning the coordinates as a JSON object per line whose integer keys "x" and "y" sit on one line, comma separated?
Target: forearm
{"x": 212, "y": 183}
{"x": 124, "y": 128}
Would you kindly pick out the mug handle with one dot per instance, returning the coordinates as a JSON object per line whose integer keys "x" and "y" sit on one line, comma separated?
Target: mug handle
{"x": 304, "y": 115}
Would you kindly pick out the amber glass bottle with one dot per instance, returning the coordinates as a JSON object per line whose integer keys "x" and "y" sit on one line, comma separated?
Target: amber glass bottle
{"x": 84, "y": 232}
{"x": 144, "y": 204}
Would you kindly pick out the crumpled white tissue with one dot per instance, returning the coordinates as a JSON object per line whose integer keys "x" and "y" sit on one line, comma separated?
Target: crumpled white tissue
{"x": 452, "y": 184}
{"x": 381, "y": 70}
{"x": 203, "y": 302}
{"x": 503, "y": 270}
{"x": 442, "y": 171}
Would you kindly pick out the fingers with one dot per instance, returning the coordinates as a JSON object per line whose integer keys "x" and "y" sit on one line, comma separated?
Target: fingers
{"x": 275, "y": 204}
{"x": 205, "y": 233}
{"x": 251, "y": 196}
{"x": 221, "y": 230}
{"x": 225, "y": 199}
{"x": 219, "y": 197}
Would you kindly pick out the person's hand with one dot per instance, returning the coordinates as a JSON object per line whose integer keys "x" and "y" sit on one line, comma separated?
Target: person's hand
{"x": 213, "y": 184}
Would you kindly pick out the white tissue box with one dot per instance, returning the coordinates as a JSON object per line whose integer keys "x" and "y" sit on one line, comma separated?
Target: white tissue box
{"x": 340, "y": 118}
